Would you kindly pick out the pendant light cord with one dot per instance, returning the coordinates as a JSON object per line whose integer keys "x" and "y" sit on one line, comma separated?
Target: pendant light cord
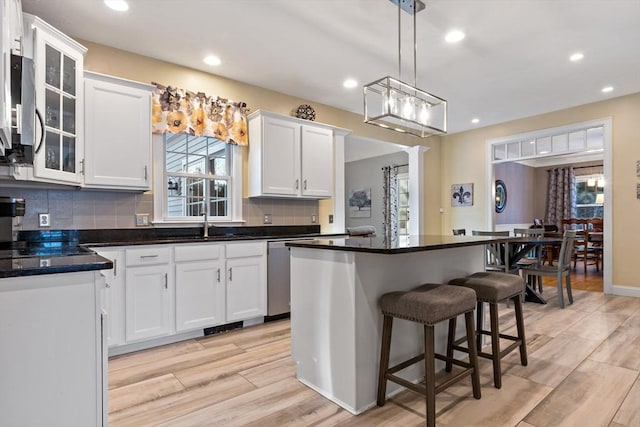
{"x": 415, "y": 45}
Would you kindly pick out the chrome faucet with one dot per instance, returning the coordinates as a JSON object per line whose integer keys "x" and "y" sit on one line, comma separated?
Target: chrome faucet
{"x": 206, "y": 221}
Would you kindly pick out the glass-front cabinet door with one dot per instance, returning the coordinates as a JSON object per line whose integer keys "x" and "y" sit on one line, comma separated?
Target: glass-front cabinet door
{"x": 59, "y": 67}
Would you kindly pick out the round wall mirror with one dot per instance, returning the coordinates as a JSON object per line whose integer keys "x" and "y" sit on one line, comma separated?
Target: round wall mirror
{"x": 501, "y": 196}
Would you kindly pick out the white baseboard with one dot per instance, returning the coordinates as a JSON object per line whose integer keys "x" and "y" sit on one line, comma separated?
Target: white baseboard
{"x": 625, "y": 291}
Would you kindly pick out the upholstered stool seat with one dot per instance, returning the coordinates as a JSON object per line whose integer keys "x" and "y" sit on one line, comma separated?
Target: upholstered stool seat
{"x": 428, "y": 304}
{"x": 491, "y": 288}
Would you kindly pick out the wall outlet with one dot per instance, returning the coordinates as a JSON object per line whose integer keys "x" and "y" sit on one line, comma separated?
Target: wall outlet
{"x": 267, "y": 219}
{"x": 44, "y": 220}
{"x": 142, "y": 220}
{"x": 313, "y": 218}
{"x": 330, "y": 218}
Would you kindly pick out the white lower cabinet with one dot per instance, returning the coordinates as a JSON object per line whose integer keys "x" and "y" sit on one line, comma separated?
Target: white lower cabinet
{"x": 148, "y": 295}
{"x": 113, "y": 299}
{"x": 200, "y": 292}
{"x": 246, "y": 281}
{"x": 166, "y": 290}
{"x": 51, "y": 363}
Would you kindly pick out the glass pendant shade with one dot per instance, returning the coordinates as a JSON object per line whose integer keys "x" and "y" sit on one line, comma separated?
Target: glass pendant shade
{"x": 392, "y": 104}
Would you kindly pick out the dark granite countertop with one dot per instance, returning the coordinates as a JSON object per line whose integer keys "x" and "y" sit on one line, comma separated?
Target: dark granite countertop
{"x": 22, "y": 262}
{"x": 380, "y": 245}
{"x": 66, "y": 251}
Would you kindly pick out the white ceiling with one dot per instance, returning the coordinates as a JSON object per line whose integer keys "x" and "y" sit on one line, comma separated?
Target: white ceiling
{"x": 513, "y": 63}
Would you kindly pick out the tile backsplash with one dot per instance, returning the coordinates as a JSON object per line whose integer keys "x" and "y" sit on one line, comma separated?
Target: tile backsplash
{"x": 86, "y": 209}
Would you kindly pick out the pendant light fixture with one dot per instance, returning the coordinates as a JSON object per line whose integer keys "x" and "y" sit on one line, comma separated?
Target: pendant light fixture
{"x": 393, "y": 104}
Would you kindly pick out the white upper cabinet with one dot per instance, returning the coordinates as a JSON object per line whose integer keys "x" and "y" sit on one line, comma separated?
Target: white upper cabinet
{"x": 117, "y": 133}
{"x": 289, "y": 157}
{"x": 59, "y": 63}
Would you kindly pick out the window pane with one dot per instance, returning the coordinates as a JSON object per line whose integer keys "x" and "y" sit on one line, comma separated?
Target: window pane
{"x": 595, "y": 138}
{"x": 218, "y": 197}
{"x": 176, "y": 162}
{"x": 69, "y": 154}
{"x": 176, "y": 143}
{"x": 196, "y": 164}
{"x": 52, "y": 147}
{"x": 528, "y": 148}
{"x": 52, "y": 60}
{"x": 69, "y": 76}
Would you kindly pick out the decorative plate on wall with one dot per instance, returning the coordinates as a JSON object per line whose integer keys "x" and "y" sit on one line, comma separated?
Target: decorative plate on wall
{"x": 501, "y": 196}
{"x": 306, "y": 112}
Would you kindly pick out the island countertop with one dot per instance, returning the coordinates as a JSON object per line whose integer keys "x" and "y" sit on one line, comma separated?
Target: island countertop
{"x": 404, "y": 244}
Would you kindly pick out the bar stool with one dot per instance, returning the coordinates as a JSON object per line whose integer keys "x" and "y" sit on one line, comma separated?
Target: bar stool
{"x": 492, "y": 287}
{"x": 427, "y": 304}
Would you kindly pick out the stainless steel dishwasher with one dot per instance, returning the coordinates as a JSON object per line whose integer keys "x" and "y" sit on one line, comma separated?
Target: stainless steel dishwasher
{"x": 278, "y": 277}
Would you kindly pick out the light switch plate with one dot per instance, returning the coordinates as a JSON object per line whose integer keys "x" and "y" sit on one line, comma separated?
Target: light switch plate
{"x": 267, "y": 219}
{"x": 313, "y": 218}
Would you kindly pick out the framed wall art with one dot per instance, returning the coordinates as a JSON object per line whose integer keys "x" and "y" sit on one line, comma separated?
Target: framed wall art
{"x": 360, "y": 203}
{"x": 461, "y": 195}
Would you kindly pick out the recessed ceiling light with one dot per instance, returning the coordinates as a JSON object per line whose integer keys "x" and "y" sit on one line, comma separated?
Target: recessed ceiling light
{"x": 607, "y": 89}
{"x": 350, "y": 83}
{"x": 576, "y": 56}
{"x": 212, "y": 60}
{"x": 475, "y": 120}
{"x": 454, "y": 36}
{"x": 119, "y": 5}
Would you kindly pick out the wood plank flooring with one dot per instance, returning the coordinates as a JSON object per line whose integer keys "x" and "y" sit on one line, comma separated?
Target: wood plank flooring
{"x": 584, "y": 370}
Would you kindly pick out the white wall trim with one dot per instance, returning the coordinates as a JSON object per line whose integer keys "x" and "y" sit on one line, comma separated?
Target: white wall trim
{"x": 416, "y": 189}
{"x": 625, "y": 291}
{"x": 605, "y": 122}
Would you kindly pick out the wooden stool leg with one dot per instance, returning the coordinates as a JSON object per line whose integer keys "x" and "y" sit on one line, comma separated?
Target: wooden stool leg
{"x": 385, "y": 349}
{"x": 495, "y": 345}
{"x": 450, "y": 340}
{"x": 479, "y": 323}
{"x": 430, "y": 374}
{"x": 473, "y": 354}
{"x": 520, "y": 328}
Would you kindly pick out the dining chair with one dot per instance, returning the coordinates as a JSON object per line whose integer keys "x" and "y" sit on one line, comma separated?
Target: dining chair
{"x": 494, "y": 258}
{"x": 561, "y": 270}
{"x": 534, "y": 257}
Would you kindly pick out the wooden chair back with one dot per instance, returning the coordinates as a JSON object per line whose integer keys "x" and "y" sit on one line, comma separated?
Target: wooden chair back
{"x": 494, "y": 259}
{"x": 566, "y": 250}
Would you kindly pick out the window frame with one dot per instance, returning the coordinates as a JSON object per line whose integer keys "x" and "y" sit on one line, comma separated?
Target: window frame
{"x": 160, "y": 191}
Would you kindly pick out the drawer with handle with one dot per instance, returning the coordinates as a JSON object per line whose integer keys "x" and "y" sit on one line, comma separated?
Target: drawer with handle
{"x": 148, "y": 255}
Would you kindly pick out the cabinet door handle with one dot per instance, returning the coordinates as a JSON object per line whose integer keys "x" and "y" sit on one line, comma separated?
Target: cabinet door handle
{"x": 82, "y": 166}
{"x": 148, "y": 256}
{"x": 305, "y": 184}
{"x": 145, "y": 172}
{"x": 297, "y": 183}
{"x": 218, "y": 275}
{"x": 115, "y": 267}
{"x": 230, "y": 274}
{"x": 166, "y": 281}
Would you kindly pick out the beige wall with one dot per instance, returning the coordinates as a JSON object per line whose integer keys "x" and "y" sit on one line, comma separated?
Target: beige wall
{"x": 464, "y": 159}
{"x": 123, "y": 64}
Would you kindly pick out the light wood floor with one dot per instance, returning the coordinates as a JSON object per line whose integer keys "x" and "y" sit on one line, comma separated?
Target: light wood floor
{"x": 584, "y": 365}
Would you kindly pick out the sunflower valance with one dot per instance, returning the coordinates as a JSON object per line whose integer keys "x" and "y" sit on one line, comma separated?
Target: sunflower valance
{"x": 182, "y": 111}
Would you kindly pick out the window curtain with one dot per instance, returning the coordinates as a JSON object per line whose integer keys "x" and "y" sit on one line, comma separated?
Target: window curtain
{"x": 390, "y": 203}
{"x": 561, "y": 196}
{"x": 181, "y": 111}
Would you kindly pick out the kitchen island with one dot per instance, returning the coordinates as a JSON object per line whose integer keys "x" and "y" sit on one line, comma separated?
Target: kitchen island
{"x": 336, "y": 325}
